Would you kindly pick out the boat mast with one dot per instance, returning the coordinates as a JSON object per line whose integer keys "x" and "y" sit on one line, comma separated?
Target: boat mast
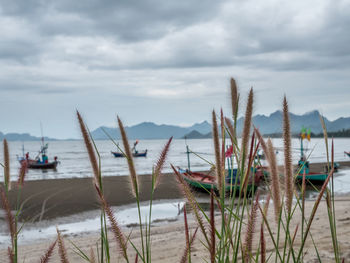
{"x": 188, "y": 158}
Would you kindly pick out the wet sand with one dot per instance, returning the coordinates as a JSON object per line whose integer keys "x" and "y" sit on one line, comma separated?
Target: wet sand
{"x": 47, "y": 199}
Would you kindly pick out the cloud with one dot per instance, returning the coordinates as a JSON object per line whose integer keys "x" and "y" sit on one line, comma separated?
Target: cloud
{"x": 72, "y": 53}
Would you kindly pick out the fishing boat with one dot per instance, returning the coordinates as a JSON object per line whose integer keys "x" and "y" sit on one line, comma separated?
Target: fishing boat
{"x": 134, "y": 152}
{"x": 37, "y": 162}
{"x": 204, "y": 182}
{"x": 347, "y": 153}
{"x": 303, "y": 164}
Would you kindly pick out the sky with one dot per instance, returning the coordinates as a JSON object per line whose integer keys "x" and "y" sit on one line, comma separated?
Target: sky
{"x": 168, "y": 62}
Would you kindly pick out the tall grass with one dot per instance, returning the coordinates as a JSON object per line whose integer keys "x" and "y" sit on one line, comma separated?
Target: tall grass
{"x": 230, "y": 230}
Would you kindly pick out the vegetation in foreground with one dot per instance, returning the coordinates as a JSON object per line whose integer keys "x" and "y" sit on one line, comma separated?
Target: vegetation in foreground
{"x": 228, "y": 238}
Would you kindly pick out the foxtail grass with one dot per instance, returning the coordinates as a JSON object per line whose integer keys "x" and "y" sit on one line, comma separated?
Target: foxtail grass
{"x": 288, "y": 168}
{"x": 7, "y": 181}
{"x": 247, "y": 127}
{"x": 48, "y": 254}
{"x": 275, "y": 180}
{"x": 160, "y": 162}
{"x": 128, "y": 155}
{"x": 118, "y": 233}
{"x": 90, "y": 150}
{"x": 61, "y": 248}
{"x": 217, "y": 152}
{"x": 234, "y": 98}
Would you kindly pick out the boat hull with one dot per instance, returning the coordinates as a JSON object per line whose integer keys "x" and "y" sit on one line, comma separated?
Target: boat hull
{"x": 32, "y": 164}
{"x": 313, "y": 177}
{"x": 138, "y": 154}
{"x": 205, "y": 183}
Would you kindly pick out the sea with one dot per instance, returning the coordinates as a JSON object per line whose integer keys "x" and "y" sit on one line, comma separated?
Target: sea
{"x": 74, "y": 161}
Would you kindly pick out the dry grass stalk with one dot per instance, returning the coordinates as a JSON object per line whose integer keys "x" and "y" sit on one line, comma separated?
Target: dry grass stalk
{"x": 161, "y": 161}
{"x": 132, "y": 171}
{"x": 212, "y": 227}
{"x": 262, "y": 143}
{"x": 10, "y": 255}
{"x": 314, "y": 209}
{"x": 61, "y": 248}
{"x": 118, "y": 234}
{"x": 234, "y": 98}
{"x": 275, "y": 180}
{"x": 7, "y": 166}
{"x": 187, "y": 233}
{"x": 250, "y": 229}
{"x": 325, "y": 135}
{"x": 217, "y": 152}
{"x": 45, "y": 258}
{"x": 247, "y": 126}
{"x": 295, "y": 233}
{"x": 230, "y": 128}
{"x": 8, "y": 215}
{"x": 184, "y": 257}
{"x": 22, "y": 173}
{"x": 185, "y": 189}
{"x": 288, "y": 168}
{"x": 92, "y": 256}
{"x": 223, "y": 149}
{"x": 252, "y": 153}
{"x": 263, "y": 244}
{"x": 90, "y": 149}
{"x": 267, "y": 204}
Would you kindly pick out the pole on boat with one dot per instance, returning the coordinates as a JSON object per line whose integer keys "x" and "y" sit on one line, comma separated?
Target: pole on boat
{"x": 301, "y": 148}
{"x": 188, "y": 158}
{"x": 188, "y": 155}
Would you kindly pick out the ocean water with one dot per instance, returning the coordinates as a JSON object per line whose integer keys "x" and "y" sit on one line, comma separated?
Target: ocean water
{"x": 74, "y": 161}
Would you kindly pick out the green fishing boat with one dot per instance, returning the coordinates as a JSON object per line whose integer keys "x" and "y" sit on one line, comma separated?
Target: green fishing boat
{"x": 206, "y": 182}
{"x": 303, "y": 164}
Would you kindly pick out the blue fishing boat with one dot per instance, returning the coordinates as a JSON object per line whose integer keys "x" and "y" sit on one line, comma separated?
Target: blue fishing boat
{"x": 134, "y": 152}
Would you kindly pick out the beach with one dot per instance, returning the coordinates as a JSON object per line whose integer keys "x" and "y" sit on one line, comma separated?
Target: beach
{"x": 47, "y": 201}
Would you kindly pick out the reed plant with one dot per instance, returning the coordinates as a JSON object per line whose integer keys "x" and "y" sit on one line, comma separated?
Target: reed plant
{"x": 13, "y": 217}
{"x": 237, "y": 227}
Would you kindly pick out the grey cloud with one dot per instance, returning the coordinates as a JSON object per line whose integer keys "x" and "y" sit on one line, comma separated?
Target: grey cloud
{"x": 191, "y": 34}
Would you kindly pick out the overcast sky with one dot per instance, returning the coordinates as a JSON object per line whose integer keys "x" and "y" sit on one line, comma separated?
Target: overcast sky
{"x": 167, "y": 61}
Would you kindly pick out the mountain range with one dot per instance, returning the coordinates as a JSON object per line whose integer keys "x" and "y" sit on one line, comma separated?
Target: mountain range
{"x": 271, "y": 124}
{"x": 22, "y": 137}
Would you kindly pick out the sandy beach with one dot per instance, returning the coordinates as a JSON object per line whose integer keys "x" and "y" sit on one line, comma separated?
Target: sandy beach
{"x": 51, "y": 199}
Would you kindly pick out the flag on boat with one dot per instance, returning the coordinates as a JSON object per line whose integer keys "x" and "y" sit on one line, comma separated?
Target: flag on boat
{"x": 229, "y": 151}
{"x": 303, "y": 133}
{"x": 308, "y": 136}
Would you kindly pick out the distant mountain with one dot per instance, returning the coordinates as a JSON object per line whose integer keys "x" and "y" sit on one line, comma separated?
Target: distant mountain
{"x": 150, "y": 130}
{"x": 22, "y": 137}
{"x": 273, "y": 123}
{"x": 197, "y": 135}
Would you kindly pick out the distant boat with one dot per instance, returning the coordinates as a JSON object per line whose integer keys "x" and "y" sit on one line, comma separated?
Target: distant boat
{"x": 135, "y": 152}
{"x": 347, "y": 153}
{"x": 37, "y": 162}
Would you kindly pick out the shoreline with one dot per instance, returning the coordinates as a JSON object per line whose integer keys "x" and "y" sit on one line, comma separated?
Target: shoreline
{"x": 52, "y": 198}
